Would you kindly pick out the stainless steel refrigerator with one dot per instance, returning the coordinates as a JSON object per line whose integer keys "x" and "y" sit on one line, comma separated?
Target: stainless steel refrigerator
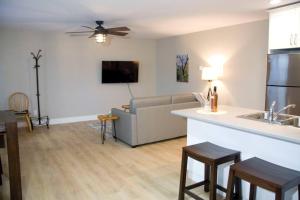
{"x": 283, "y": 81}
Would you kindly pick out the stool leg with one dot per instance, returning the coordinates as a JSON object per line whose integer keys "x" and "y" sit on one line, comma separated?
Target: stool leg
{"x": 1, "y": 171}
{"x": 279, "y": 195}
{"x": 27, "y": 118}
{"x": 252, "y": 195}
{"x": 237, "y": 182}
{"x": 115, "y": 131}
{"x": 213, "y": 182}
{"x": 104, "y": 131}
{"x": 32, "y": 127}
{"x": 206, "y": 177}
{"x": 182, "y": 175}
{"x": 47, "y": 122}
{"x": 230, "y": 184}
{"x": 299, "y": 191}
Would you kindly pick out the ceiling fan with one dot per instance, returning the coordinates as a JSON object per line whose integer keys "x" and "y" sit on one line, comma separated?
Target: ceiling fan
{"x": 100, "y": 32}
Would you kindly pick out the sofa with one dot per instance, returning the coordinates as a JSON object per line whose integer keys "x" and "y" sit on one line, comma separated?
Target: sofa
{"x": 149, "y": 119}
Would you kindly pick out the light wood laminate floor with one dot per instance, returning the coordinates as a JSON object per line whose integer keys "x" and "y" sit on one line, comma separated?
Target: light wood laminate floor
{"x": 69, "y": 162}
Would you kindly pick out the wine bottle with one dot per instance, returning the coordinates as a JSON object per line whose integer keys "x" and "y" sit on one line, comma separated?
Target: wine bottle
{"x": 214, "y": 101}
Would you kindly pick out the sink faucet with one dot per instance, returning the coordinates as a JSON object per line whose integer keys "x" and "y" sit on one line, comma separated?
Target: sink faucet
{"x": 272, "y": 116}
{"x": 283, "y": 109}
{"x": 271, "y": 112}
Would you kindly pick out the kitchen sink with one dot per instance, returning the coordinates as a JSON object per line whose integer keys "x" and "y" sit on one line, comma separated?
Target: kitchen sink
{"x": 282, "y": 119}
{"x": 255, "y": 116}
{"x": 292, "y": 122}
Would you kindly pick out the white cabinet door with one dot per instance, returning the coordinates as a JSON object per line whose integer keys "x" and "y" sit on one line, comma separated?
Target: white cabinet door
{"x": 297, "y": 28}
{"x": 281, "y": 29}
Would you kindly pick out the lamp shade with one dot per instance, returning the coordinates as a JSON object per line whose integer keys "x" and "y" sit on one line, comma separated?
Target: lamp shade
{"x": 217, "y": 62}
{"x": 209, "y": 74}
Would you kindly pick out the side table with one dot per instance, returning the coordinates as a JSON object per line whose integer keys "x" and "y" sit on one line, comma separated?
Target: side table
{"x": 103, "y": 119}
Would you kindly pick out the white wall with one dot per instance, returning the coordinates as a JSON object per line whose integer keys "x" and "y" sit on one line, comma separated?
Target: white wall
{"x": 245, "y": 49}
{"x": 70, "y": 73}
{"x": 71, "y": 67}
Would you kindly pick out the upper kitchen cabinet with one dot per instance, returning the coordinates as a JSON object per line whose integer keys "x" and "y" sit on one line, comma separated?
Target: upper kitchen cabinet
{"x": 297, "y": 39}
{"x": 284, "y": 27}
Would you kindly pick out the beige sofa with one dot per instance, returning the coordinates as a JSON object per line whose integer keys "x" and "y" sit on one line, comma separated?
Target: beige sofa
{"x": 150, "y": 120}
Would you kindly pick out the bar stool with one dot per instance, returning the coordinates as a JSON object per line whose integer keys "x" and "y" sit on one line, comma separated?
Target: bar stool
{"x": 103, "y": 119}
{"x": 263, "y": 174}
{"x": 1, "y": 171}
{"x": 212, "y": 156}
{"x": 2, "y": 145}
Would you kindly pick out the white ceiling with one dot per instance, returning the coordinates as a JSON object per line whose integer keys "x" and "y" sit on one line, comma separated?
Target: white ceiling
{"x": 146, "y": 18}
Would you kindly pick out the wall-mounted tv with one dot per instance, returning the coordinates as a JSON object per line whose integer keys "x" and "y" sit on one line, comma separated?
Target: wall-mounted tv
{"x": 120, "y": 71}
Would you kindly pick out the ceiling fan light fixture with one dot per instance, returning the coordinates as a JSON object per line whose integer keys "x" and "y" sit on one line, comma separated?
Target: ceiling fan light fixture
{"x": 100, "y": 33}
{"x": 275, "y": 2}
{"x": 100, "y": 38}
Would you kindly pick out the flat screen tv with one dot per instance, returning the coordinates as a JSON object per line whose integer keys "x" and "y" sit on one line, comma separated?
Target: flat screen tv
{"x": 120, "y": 71}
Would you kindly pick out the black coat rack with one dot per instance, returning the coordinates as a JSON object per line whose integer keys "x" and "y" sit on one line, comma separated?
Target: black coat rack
{"x": 41, "y": 120}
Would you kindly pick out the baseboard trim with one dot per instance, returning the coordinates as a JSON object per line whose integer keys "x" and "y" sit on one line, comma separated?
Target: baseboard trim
{"x": 73, "y": 119}
{"x": 64, "y": 120}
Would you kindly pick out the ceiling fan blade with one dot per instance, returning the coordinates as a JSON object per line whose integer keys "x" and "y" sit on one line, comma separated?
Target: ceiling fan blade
{"x": 88, "y": 27}
{"x": 80, "y": 32}
{"x": 93, "y": 35}
{"x": 117, "y": 33}
{"x": 80, "y": 35}
{"x": 122, "y": 28}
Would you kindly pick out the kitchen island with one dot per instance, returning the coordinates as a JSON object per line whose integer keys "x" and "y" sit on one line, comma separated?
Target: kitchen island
{"x": 272, "y": 142}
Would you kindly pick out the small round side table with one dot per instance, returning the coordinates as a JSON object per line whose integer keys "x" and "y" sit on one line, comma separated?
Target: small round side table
{"x": 103, "y": 119}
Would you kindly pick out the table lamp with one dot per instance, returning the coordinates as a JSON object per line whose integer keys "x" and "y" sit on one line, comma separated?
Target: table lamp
{"x": 209, "y": 74}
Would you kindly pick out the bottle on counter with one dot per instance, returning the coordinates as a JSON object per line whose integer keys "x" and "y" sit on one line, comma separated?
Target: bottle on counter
{"x": 214, "y": 100}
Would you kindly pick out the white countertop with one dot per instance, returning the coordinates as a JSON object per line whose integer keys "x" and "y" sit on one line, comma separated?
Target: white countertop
{"x": 227, "y": 117}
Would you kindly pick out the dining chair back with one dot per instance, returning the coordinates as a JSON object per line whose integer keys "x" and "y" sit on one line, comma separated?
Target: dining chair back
{"x": 19, "y": 103}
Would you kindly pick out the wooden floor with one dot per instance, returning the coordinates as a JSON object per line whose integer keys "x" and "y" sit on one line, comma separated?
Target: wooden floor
{"x": 69, "y": 162}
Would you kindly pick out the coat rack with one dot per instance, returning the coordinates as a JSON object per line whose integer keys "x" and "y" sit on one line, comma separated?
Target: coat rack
{"x": 40, "y": 120}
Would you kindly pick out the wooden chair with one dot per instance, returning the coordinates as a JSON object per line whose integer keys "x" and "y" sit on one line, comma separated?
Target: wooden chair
{"x": 19, "y": 103}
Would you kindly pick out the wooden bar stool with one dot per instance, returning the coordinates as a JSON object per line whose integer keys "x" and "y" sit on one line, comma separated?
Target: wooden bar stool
{"x": 2, "y": 145}
{"x": 103, "y": 119}
{"x": 260, "y": 173}
{"x": 1, "y": 171}
{"x": 212, "y": 156}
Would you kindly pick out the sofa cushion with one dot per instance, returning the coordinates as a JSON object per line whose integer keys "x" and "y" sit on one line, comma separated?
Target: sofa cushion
{"x": 148, "y": 101}
{"x": 183, "y": 98}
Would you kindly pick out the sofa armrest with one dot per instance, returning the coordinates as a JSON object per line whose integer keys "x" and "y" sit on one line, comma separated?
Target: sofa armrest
{"x": 125, "y": 126}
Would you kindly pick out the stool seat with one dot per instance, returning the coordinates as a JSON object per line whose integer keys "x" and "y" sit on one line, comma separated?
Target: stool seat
{"x": 264, "y": 174}
{"x": 210, "y": 153}
{"x": 211, "y": 156}
{"x": 272, "y": 175}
